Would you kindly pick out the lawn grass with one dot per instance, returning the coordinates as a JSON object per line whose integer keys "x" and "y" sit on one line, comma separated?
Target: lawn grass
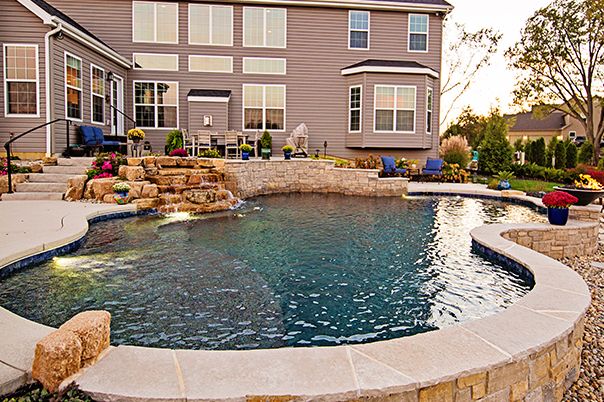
{"x": 533, "y": 185}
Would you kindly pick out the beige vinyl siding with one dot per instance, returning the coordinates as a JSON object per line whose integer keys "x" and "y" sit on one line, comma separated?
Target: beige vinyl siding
{"x": 30, "y": 31}
{"x": 218, "y": 111}
{"x": 317, "y": 49}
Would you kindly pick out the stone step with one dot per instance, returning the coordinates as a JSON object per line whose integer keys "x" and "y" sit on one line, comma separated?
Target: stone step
{"x": 49, "y": 178}
{"x": 83, "y": 161}
{"x": 41, "y": 187}
{"x": 72, "y": 170}
{"x": 32, "y": 197}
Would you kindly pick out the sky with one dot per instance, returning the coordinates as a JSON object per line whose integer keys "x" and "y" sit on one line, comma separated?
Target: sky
{"x": 495, "y": 84}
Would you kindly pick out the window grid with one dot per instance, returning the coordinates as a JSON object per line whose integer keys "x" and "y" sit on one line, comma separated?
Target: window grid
{"x": 261, "y": 65}
{"x": 73, "y": 87}
{"x": 394, "y": 109}
{"x": 210, "y": 64}
{"x": 211, "y": 22}
{"x": 21, "y": 83}
{"x": 358, "y": 29}
{"x": 264, "y": 107}
{"x": 154, "y": 105}
{"x": 159, "y": 31}
{"x": 97, "y": 94}
{"x": 259, "y": 23}
{"x": 355, "y": 109}
{"x": 429, "y": 109}
{"x": 418, "y": 32}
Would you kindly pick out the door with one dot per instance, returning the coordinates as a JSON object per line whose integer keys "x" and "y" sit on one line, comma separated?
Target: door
{"x": 117, "y": 103}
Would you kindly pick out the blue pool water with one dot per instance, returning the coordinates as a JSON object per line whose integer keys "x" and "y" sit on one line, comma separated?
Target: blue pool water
{"x": 285, "y": 270}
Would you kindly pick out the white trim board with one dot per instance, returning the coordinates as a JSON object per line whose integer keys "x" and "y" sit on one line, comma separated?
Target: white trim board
{"x": 221, "y": 99}
{"x": 394, "y": 70}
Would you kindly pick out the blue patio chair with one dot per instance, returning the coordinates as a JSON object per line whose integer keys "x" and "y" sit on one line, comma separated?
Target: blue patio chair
{"x": 434, "y": 167}
{"x": 390, "y": 168}
{"x": 94, "y": 139}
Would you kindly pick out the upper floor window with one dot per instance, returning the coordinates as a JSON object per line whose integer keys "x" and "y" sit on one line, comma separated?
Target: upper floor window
{"x": 395, "y": 109}
{"x": 211, "y": 64}
{"x": 354, "y": 121}
{"x": 156, "y": 104}
{"x": 154, "y": 61}
{"x": 97, "y": 97}
{"x": 261, "y": 65}
{"x": 429, "y": 110}
{"x": 21, "y": 80}
{"x": 358, "y": 29}
{"x": 264, "y": 27}
{"x": 154, "y": 22}
{"x": 264, "y": 107}
{"x": 418, "y": 32}
{"x": 210, "y": 25}
{"x": 73, "y": 87}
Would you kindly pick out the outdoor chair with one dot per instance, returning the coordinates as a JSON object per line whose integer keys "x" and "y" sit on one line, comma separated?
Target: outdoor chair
{"x": 299, "y": 140}
{"x": 390, "y": 168}
{"x": 93, "y": 140}
{"x": 203, "y": 140}
{"x": 188, "y": 142}
{"x": 434, "y": 167}
{"x": 231, "y": 143}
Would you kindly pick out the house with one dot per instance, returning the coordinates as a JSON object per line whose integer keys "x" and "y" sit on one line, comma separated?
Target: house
{"x": 364, "y": 75}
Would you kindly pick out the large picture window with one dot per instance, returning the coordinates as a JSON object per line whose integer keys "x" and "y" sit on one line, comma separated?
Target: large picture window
{"x": 395, "y": 109}
{"x": 354, "y": 121}
{"x": 429, "y": 109}
{"x": 418, "y": 33}
{"x": 264, "y": 27}
{"x": 358, "y": 29}
{"x": 156, "y": 104}
{"x": 21, "y": 80}
{"x": 210, "y": 25}
{"x": 154, "y": 22}
{"x": 97, "y": 100}
{"x": 264, "y": 107}
{"x": 73, "y": 87}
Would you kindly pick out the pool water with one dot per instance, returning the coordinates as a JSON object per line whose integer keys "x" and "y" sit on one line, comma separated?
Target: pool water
{"x": 283, "y": 270}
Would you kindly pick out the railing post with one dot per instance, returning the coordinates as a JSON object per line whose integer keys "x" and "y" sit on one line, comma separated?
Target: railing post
{"x": 67, "y": 151}
{"x": 8, "y": 168}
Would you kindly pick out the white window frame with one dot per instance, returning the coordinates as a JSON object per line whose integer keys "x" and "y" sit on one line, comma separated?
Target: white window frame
{"x": 264, "y": 86}
{"x": 264, "y": 25}
{"x": 375, "y": 109}
{"x": 67, "y": 54}
{"x": 155, "y": 4}
{"x": 92, "y": 94}
{"x": 265, "y": 58}
{"x": 154, "y": 54}
{"x": 210, "y": 28}
{"x": 427, "y": 33}
{"x": 360, "y": 109}
{"x": 155, "y": 104}
{"x": 429, "y": 110}
{"x": 6, "y": 81}
{"x": 360, "y": 30}
{"x": 210, "y": 57}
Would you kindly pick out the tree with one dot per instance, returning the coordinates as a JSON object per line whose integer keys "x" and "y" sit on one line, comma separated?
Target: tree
{"x": 586, "y": 152}
{"x": 465, "y": 54}
{"x": 468, "y": 125}
{"x": 560, "y": 154}
{"x": 571, "y": 155}
{"x": 528, "y": 152}
{"x": 518, "y": 145}
{"x": 560, "y": 57}
{"x": 496, "y": 153}
{"x": 539, "y": 156}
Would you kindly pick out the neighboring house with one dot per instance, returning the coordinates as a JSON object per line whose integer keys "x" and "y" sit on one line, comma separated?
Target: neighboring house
{"x": 362, "y": 74}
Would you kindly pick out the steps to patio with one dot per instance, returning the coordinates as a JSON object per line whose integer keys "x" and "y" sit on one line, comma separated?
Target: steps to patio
{"x": 52, "y": 183}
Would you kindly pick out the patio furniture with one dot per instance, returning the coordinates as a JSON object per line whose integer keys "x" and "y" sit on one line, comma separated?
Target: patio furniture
{"x": 188, "y": 142}
{"x": 203, "y": 141}
{"x": 390, "y": 168}
{"x": 299, "y": 141}
{"x": 231, "y": 143}
{"x": 434, "y": 167}
{"x": 93, "y": 139}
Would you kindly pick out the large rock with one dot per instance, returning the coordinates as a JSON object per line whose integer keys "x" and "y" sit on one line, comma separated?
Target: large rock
{"x": 16, "y": 178}
{"x": 36, "y": 167}
{"x": 150, "y": 191}
{"x": 200, "y": 196}
{"x": 58, "y": 356}
{"x": 149, "y": 161}
{"x": 75, "y": 188}
{"x": 132, "y": 173}
{"x": 50, "y": 160}
{"x": 146, "y": 203}
{"x": 135, "y": 161}
{"x": 186, "y": 162}
{"x": 97, "y": 188}
{"x": 166, "y": 161}
{"x": 92, "y": 328}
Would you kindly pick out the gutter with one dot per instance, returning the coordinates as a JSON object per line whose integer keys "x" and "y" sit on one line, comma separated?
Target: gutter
{"x": 364, "y": 4}
{"x": 47, "y": 82}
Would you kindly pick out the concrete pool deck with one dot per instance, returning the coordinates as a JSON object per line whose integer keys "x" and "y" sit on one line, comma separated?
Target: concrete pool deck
{"x": 492, "y": 357}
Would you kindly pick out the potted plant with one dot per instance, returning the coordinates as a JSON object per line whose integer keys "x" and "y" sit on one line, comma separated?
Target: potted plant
{"x": 558, "y": 204}
{"x": 504, "y": 180}
{"x": 266, "y": 142}
{"x": 121, "y": 191}
{"x": 287, "y": 152}
{"x": 136, "y": 135}
{"x": 245, "y": 151}
{"x": 585, "y": 188}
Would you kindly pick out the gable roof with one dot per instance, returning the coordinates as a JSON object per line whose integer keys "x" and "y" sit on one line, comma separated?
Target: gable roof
{"x": 554, "y": 121}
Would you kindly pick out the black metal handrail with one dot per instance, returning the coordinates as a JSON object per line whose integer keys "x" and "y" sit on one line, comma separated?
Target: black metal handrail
{"x": 111, "y": 107}
{"x": 9, "y": 142}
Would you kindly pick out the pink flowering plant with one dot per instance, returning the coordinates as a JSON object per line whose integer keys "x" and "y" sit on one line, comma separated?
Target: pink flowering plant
{"x": 106, "y": 165}
{"x": 14, "y": 168}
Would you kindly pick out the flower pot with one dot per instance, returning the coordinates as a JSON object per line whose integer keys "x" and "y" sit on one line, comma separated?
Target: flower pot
{"x": 136, "y": 140}
{"x": 121, "y": 198}
{"x": 557, "y": 216}
{"x": 287, "y": 155}
{"x": 504, "y": 185}
{"x": 266, "y": 153}
{"x": 245, "y": 156}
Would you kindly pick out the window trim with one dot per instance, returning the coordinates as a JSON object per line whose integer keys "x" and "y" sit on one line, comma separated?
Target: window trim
{"x": 264, "y": 25}
{"x": 92, "y": 95}
{"x": 155, "y": 104}
{"x": 375, "y": 109}
{"x": 66, "y": 86}
{"x": 211, "y": 57}
{"x": 6, "y": 81}
{"x": 427, "y": 33}
{"x": 360, "y": 108}
{"x": 190, "y": 42}
{"x": 264, "y": 86}
{"x": 429, "y": 110}
{"x": 176, "y": 56}
{"x": 155, "y": 4}
{"x": 265, "y": 58}
{"x": 368, "y": 30}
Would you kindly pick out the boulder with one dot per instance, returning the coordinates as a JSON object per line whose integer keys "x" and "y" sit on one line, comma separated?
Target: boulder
{"x": 50, "y": 161}
{"x": 97, "y": 188}
{"x": 169, "y": 199}
{"x": 36, "y": 167}
{"x": 168, "y": 180}
{"x": 57, "y": 356}
{"x": 149, "y": 161}
{"x": 163, "y": 161}
{"x": 92, "y": 328}
{"x": 200, "y": 196}
{"x": 132, "y": 173}
{"x": 146, "y": 203}
{"x": 135, "y": 161}
{"x": 75, "y": 188}
{"x": 150, "y": 191}
{"x": 16, "y": 178}
{"x": 223, "y": 195}
{"x": 109, "y": 199}
{"x": 186, "y": 162}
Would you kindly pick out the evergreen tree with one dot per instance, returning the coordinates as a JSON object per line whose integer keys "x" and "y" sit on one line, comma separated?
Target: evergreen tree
{"x": 560, "y": 154}
{"x": 496, "y": 153}
{"x": 571, "y": 155}
{"x": 539, "y": 156}
{"x": 586, "y": 152}
{"x": 528, "y": 152}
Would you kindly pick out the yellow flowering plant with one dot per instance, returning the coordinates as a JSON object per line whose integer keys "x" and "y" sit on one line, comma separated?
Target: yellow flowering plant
{"x": 586, "y": 182}
{"x": 136, "y": 133}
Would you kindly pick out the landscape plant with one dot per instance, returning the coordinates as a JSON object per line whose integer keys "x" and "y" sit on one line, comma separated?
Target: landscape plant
{"x": 136, "y": 134}
{"x": 106, "y": 165}
{"x": 560, "y": 155}
{"x": 174, "y": 140}
{"x": 453, "y": 173}
{"x": 455, "y": 150}
{"x": 210, "y": 153}
{"x": 246, "y": 148}
{"x": 371, "y": 162}
{"x": 559, "y": 199}
{"x": 586, "y": 153}
{"x": 539, "y": 156}
{"x": 14, "y": 168}
{"x": 179, "y": 152}
{"x": 528, "y": 152}
{"x": 266, "y": 141}
{"x": 571, "y": 155}
{"x": 121, "y": 187}
{"x": 288, "y": 148}
{"x": 495, "y": 150}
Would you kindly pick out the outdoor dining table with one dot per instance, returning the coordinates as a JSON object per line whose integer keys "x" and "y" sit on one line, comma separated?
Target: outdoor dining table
{"x": 218, "y": 138}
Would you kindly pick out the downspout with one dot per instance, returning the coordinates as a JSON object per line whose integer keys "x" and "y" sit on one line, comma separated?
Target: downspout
{"x": 47, "y": 82}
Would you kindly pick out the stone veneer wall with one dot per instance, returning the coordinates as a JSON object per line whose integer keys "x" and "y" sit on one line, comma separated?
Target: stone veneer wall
{"x": 251, "y": 178}
{"x": 558, "y": 242}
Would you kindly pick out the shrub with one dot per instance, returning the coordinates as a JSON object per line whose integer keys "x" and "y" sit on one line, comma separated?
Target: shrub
{"x": 496, "y": 151}
{"x": 560, "y": 154}
{"x": 453, "y": 173}
{"x": 455, "y": 151}
{"x": 528, "y": 152}
{"x": 371, "y": 162}
{"x": 287, "y": 148}
{"x": 571, "y": 155}
{"x": 246, "y": 148}
{"x": 179, "y": 152}
{"x": 121, "y": 187}
{"x": 539, "y": 156}
{"x": 136, "y": 133}
{"x": 173, "y": 141}
{"x": 502, "y": 176}
{"x": 13, "y": 168}
{"x": 534, "y": 171}
{"x": 266, "y": 141}
{"x": 518, "y": 145}
{"x": 586, "y": 152}
{"x": 106, "y": 165}
{"x": 210, "y": 153}
{"x": 493, "y": 184}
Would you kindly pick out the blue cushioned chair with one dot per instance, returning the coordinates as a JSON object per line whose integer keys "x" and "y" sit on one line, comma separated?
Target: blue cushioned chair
{"x": 93, "y": 139}
{"x": 434, "y": 167}
{"x": 390, "y": 168}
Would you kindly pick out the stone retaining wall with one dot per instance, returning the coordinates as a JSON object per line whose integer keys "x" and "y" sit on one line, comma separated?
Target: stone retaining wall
{"x": 252, "y": 178}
